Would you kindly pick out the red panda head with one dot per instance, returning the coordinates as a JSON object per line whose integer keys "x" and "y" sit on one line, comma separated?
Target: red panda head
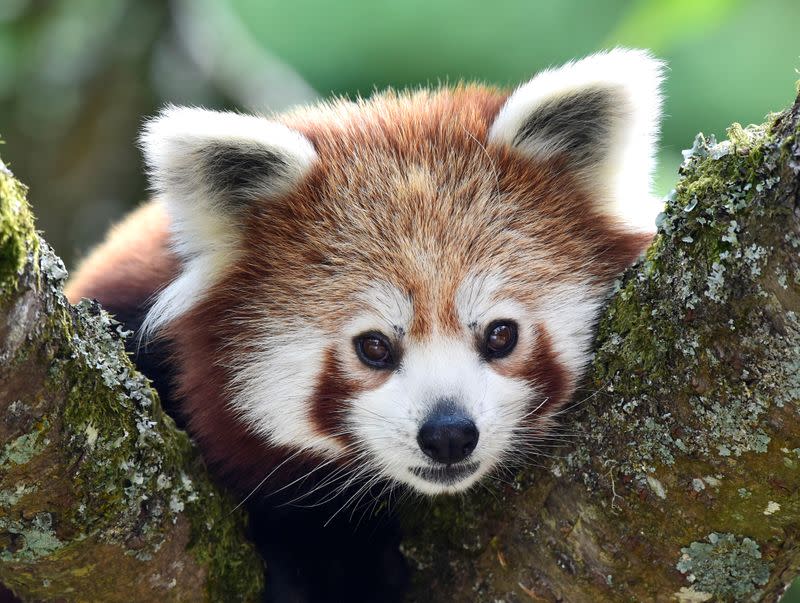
{"x": 408, "y": 284}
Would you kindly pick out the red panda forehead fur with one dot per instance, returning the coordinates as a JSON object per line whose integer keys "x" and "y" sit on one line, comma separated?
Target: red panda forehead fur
{"x": 408, "y": 191}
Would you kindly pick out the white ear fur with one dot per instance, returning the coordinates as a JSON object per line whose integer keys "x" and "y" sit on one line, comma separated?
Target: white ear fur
{"x": 602, "y": 112}
{"x": 206, "y": 167}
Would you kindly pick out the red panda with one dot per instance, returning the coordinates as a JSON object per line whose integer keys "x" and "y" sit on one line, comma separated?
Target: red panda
{"x": 404, "y": 287}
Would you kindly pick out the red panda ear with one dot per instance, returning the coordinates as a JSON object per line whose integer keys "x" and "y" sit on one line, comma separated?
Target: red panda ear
{"x": 602, "y": 113}
{"x": 206, "y": 167}
{"x": 195, "y": 156}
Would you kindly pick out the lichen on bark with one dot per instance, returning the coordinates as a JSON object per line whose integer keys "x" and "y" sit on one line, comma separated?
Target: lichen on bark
{"x": 725, "y": 566}
{"x": 688, "y": 422}
{"x": 101, "y": 497}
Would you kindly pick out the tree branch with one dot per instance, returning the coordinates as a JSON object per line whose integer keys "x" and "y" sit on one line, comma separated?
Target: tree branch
{"x": 101, "y": 497}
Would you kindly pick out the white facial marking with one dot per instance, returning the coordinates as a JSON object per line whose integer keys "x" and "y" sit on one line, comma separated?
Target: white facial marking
{"x": 386, "y": 309}
{"x": 478, "y": 302}
{"x": 387, "y": 419}
{"x": 273, "y": 389}
{"x": 475, "y": 297}
{"x": 271, "y": 392}
{"x": 569, "y": 312}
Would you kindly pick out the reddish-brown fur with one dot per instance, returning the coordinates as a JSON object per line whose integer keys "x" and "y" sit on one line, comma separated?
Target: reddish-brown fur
{"x": 407, "y": 190}
{"x": 131, "y": 264}
{"x": 544, "y": 372}
{"x": 333, "y": 388}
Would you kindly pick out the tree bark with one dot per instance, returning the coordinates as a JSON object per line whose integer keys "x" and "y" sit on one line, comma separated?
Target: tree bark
{"x": 101, "y": 497}
{"x": 681, "y": 481}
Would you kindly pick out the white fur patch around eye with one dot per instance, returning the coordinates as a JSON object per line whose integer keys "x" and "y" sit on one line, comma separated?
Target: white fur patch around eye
{"x": 272, "y": 389}
{"x": 478, "y": 303}
{"x": 568, "y": 312}
{"x": 603, "y": 110}
{"x": 475, "y": 297}
{"x": 386, "y": 308}
{"x": 205, "y": 167}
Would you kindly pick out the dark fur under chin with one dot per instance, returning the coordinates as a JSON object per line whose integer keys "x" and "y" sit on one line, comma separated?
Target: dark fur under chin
{"x": 324, "y": 543}
{"x": 310, "y": 560}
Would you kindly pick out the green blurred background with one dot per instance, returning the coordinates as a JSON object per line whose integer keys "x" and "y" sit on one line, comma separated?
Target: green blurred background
{"x": 77, "y": 77}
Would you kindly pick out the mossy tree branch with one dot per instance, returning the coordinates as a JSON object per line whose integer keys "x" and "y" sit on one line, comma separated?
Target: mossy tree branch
{"x": 682, "y": 481}
{"x": 101, "y": 497}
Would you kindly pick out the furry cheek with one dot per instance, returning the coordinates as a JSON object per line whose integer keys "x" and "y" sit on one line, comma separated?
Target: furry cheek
{"x": 541, "y": 369}
{"x": 547, "y": 374}
{"x": 341, "y": 381}
{"x": 288, "y": 388}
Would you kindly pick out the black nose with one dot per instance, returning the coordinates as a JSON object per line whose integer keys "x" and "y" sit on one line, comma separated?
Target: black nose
{"x": 448, "y": 436}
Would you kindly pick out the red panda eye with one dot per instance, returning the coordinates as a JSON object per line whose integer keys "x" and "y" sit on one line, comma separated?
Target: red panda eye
{"x": 501, "y": 338}
{"x": 374, "y": 350}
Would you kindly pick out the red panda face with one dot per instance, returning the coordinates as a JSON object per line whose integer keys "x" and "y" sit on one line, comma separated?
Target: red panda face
{"x": 456, "y": 399}
{"x": 406, "y": 285}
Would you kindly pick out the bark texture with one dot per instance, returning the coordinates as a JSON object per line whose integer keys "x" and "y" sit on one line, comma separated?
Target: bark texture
{"x": 682, "y": 480}
{"x": 101, "y": 497}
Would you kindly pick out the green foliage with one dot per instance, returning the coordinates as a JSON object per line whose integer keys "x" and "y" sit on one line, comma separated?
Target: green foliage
{"x": 730, "y": 60}
{"x": 658, "y": 25}
{"x": 77, "y": 77}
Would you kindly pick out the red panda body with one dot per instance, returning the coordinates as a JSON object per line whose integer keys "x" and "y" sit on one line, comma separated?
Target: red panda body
{"x": 397, "y": 290}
